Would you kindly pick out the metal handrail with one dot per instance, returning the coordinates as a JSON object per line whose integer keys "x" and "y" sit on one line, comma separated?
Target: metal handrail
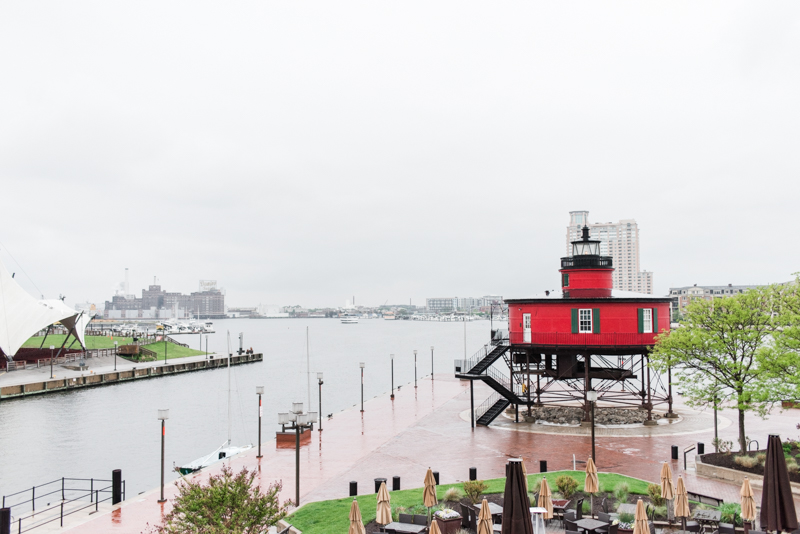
{"x": 486, "y": 405}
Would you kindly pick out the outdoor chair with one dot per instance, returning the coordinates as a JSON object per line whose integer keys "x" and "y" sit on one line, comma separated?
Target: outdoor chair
{"x": 610, "y": 529}
{"x": 605, "y": 505}
{"x": 579, "y": 509}
{"x": 757, "y": 532}
{"x": 464, "y": 516}
{"x": 727, "y": 528}
{"x": 406, "y": 518}
{"x": 652, "y": 527}
{"x": 420, "y": 519}
{"x": 571, "y": 526}
{"x": 604, "y": 517}
{"x": 694, "y": 526}
{"x": 570, "y": 515}
{"x": 571, "y": 532}
{"x": 473, "y": 520}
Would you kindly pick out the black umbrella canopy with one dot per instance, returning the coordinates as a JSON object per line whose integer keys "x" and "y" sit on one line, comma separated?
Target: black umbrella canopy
{"x": 516, "y": 506}
{"x": 777, "y": 505}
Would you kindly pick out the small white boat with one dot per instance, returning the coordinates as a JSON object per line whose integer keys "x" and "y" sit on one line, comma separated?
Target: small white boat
{"x": 208, "y": 327}
{"x": 349, "y": 318}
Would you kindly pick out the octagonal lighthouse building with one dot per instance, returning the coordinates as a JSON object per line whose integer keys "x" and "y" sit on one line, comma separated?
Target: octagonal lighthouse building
{"x": 558, "y": 347}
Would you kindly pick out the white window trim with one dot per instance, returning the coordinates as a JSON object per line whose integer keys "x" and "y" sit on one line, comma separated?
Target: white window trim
{"x": 647, "y": 320}
{"x": 581, "y": 329}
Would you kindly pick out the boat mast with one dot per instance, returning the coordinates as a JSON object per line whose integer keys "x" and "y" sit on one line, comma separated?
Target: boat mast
{"x": 229, "y": 388}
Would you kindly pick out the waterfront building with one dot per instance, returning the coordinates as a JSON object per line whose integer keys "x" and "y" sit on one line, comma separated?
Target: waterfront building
{"x": 588, "y": 337}
{"x": 452, "y": 304}
{"x": 155, "y": 303}
{"x": 682, "y": 296}
{"x": 620, "y": 241}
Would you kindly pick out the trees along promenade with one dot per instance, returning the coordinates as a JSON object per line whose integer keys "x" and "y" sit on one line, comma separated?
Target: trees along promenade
{"x": 743, "y": 349}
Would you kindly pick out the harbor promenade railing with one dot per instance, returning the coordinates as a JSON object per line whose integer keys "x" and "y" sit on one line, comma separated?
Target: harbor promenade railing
{"x": 53, "y": 501}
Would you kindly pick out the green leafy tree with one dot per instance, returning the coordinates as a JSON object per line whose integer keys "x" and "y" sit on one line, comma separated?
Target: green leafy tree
{"x": 722, "y": 351}
{"x": 227, "y": 504}
{"x": 784, "y": 360}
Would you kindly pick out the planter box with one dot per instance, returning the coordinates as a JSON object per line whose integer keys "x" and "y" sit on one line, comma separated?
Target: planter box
{"x": 625, "y": 530}
{"x": 449, "y": 526}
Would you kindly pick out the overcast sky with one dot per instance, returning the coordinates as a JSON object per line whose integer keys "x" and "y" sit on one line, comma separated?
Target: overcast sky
{"x": 305, "y": 152}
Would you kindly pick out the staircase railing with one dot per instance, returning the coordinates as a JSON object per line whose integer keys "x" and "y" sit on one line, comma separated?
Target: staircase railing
{"x": 484, "y": 407}
{"x": 504, "y": 381}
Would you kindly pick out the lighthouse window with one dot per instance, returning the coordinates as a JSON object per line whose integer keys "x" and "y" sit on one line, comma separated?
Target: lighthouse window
{"x": 585, "y": 321}
{"x": 647, "y": 321}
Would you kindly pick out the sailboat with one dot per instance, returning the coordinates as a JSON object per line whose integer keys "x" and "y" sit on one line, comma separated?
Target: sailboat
{"x": 226, "y": 450}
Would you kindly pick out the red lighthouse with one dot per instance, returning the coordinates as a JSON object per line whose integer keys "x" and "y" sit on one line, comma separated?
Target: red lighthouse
{"x": 589, "y": 338}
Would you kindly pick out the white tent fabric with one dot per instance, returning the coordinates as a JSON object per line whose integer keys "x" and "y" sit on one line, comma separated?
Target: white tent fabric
{"x": 21, "y": 315}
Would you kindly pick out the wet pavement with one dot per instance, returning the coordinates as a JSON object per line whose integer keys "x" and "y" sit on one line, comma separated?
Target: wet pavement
{"x": 424, "y": 427}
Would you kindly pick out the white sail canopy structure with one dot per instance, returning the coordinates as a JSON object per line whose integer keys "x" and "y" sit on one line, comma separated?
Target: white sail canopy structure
{"x": 21, "y": 315}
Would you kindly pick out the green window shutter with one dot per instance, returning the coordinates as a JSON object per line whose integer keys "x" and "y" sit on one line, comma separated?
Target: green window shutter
{"x": 564, "y": 279}
{"x": 655, "y": 321}
{"x": 641, "y": 320}
{"x": 596, "y": 320}
{"x": 574, "y": 320}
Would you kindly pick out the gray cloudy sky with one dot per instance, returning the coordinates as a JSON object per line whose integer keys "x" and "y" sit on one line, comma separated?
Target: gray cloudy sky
{"x": 304, "y": 152}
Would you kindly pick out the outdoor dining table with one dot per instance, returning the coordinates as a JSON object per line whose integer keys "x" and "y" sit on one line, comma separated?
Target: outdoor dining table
{"x": 590, "y": 525}
{"x": 559, "y": 506}
{"x": 405, "y": 528}
{"x": 707, "y": 517}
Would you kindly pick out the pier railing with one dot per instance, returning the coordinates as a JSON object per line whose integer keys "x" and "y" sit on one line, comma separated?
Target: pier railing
{"x": 53, "y": 501}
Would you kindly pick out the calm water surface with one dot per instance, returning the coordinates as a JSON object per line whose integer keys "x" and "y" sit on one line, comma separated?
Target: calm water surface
{"x": 88, "y": 433}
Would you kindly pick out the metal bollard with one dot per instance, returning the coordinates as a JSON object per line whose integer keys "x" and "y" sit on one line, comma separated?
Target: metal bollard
{"x": 436, "y": 477}
{"x": 473, "y": 473}
{"x": 116, "y": 486}
{"x": 395, "y": 483}
{"x": 5, "y": 520}
{"x": 353, "y": 488}
{"x": 378, "y": 482}
{"x": 701, "y": 448}
{"x": 543, "y": 466}
{"x": 674, "y": 452}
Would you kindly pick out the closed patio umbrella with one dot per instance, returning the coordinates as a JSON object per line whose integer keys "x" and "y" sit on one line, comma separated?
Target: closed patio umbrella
{"x": 640, "y": 519}
{"x": 667, "y": 492}
{"x": 516, "y": 506}
{"x": 591, "y": 485}
{"x": 435, "y": 528}
{"x": 383, "y": 514}
{"x": 777, "y": 506}
{"x": 681, "y": 502}
{"x": 524, "y": 472}
{"x": 356, "y": 525}
{"x": 747, "y": 501}
{"x": 429, "y": 496}
{"x": 545, "y": 499}
{"x": 485, "y": 519}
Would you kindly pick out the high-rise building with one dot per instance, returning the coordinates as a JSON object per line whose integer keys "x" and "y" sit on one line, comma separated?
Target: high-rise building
{"x": 620, "y": 240}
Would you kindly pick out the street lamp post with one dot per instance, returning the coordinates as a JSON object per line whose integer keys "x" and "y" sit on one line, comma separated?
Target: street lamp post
{"x": 431, "y": 362}
{"x": 259, "y": 392}
{"x": 163, "y": 415}
{"x": 391, "y": 356}
{"x": 297, "y": 421}
{"x": 206, "y": 346}
{"x": 319, "y": 380}
{"x": 591, "y": 396}
{"x": 51, "y": 360}
{"x": 361, "y": 365}
{"x": 415, "y": 367}
{"x": 115, "y": 355}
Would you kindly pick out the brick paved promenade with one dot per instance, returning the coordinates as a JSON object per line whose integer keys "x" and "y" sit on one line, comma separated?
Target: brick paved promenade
{"x": 426, "y": 428}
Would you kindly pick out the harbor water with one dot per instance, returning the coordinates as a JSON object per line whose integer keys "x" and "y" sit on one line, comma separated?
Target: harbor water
{"x": 90, "y": 432}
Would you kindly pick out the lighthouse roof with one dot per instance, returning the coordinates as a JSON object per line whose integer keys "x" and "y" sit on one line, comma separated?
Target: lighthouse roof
{"x": 616, "y": 295}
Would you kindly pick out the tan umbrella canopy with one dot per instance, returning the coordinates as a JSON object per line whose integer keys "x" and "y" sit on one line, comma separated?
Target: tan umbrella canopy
{"x": 667, "y": 491}
{"x": 640, "y": 519}
{"x": 524, "y": 473}
{"x": 681, "y": 502}
{"x": 748, "y": 503}
{"x": 485, "y": 518}
{"x": 356, "y": 525}
{"x": 591, "y": 485}
{"x": 545, "y": 499}
{"x": 429, "y": 497}
{"x": 383, "y": 514}
{"x": 435, "y": 528}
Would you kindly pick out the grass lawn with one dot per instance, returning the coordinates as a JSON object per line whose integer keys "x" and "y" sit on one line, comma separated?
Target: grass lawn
{"x": 173, "y": 351}
{"x": 332, "y": 516}
{"x": 92, "y": 342}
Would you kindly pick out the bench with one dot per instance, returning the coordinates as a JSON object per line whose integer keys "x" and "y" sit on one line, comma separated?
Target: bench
{"x": 704, "y": 499}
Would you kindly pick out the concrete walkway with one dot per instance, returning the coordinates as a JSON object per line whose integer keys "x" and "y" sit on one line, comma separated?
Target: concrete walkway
{"x": 423, "y": 428}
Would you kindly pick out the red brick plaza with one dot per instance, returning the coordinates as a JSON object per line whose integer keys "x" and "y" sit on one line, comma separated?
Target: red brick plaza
{"x": 427, "y": 427}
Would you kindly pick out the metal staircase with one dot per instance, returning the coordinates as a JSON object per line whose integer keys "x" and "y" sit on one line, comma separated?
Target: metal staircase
{"x": 479, "y": 367}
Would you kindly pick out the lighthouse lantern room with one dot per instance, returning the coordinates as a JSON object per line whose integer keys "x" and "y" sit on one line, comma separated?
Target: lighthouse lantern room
{"x": 558, "y": 347}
